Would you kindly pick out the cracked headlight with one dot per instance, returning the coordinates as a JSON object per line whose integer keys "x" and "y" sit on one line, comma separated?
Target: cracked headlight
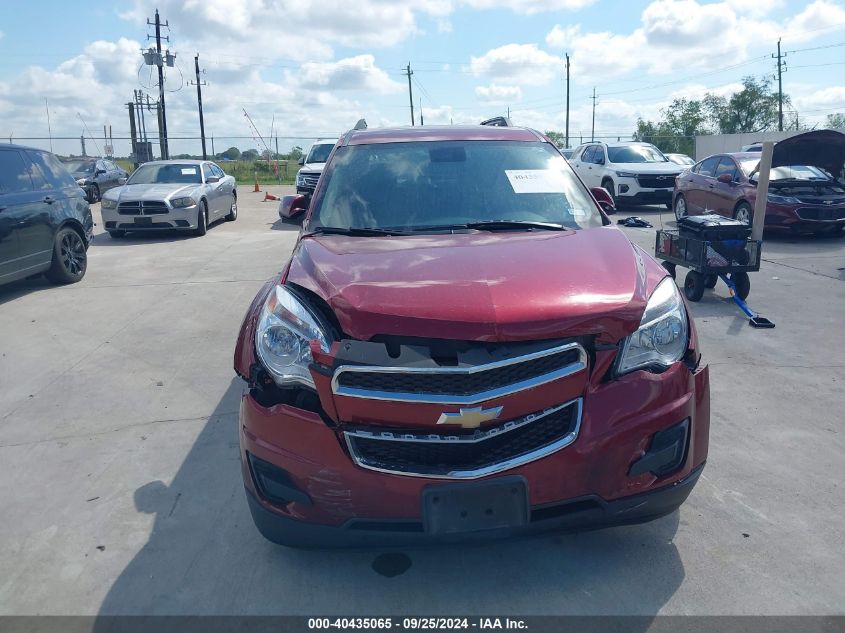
{"x": 283, "y": 336}
{"x": 663, "y": 333}
{"x": 181, "y": 203}
{"x": 105, "y": 203}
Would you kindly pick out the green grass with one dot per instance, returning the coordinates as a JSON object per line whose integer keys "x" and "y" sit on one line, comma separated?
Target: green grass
{"x": 244, "y": 171}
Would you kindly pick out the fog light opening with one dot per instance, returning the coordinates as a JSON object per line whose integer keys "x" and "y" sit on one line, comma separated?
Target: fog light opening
{"x": 275, "y": 484}
{"x": 666, "y": 453}
{"x": 623, "y": 188}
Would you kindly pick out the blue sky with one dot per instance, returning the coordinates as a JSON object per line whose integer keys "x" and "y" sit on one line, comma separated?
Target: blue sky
{"x": 313, "y": 68}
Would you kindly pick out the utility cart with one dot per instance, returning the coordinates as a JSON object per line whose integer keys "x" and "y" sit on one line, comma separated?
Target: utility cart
{"x": 712, "y": 247}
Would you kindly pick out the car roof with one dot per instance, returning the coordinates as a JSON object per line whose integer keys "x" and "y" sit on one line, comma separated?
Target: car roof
{"x": 440, "y": 133}
{"x": 27, "y": 147}
{"x": 187, "y": 161}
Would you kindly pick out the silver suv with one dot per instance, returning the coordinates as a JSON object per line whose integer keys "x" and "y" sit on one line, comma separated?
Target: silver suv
{"x": 633, "y": 172}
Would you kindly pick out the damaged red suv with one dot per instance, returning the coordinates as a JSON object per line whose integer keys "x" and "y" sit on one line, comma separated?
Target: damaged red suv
{"x": 462, "y": 347}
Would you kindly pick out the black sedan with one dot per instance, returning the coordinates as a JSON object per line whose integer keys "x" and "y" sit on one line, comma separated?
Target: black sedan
{"x": 95, "y": 175}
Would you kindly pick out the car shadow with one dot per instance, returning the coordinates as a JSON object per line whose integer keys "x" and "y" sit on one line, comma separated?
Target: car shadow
{"x": 281, "y": 225}
{"x": 17, "y": 289}
{"x": 204, "y": 556}
{"x": 134, "y": 239}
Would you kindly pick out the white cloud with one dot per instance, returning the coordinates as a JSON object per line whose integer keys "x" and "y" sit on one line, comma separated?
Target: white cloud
{"x": 497, "y": 94}
{"x": 352, "y": 73}
{"x": 755, "y": 8}
{"x": 561, "y": 37}
{"x": 518, "y": 63}
{"x": 530, "y": 7}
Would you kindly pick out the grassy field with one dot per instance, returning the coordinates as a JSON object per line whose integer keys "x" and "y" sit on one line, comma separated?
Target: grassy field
{"x": 245, "y": 171}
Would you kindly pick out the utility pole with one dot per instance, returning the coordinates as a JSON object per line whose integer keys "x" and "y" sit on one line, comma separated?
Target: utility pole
{"x": 593, "y": 131}
{"x": 567, "y": 101}
{"x": 49, "y": 131}
{"x": 199, "y": 103}
{"x": 781, "y": 70}
{"x": 421, "y": 113}
{"x": 133, "y": 132}
{"x": 410, "y": 72}
{"x": 153, "y": 57}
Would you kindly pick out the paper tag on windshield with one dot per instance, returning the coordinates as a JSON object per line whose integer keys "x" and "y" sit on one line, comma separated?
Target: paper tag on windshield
{"x": 190, "y": 171}
{"x": 536, "y": 180}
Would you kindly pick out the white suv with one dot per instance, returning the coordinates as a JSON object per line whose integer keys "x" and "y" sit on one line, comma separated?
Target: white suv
{"x": 633, "y": 173}
{"x": 312, "y": 165}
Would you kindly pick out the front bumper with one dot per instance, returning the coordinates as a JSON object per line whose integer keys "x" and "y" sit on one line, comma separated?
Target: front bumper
{"x": 183, "y": 218}
{"x": 585, "y": 485}
{"x": 582, "y": 513}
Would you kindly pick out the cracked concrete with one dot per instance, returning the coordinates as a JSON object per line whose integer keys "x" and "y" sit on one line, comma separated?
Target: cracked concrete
{"x": 120, "y": 482}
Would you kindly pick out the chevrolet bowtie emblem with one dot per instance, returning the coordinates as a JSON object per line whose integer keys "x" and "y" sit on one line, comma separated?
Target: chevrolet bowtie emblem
{"x": 470, "y": 418}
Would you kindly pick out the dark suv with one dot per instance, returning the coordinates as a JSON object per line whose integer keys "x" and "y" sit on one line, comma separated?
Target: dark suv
{"x": 45, "y": 221}
{"x": 95, "y": 175}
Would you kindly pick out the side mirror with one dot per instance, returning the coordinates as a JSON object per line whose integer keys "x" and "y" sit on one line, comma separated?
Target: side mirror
{"x": 725, "y": 178}
{"x": 212, "y": 179}
{"x": 604, "y": 198}
{"x": 99, "y": 172}
{"x": 292, "y": 206}
{"x": 301, "y": 160}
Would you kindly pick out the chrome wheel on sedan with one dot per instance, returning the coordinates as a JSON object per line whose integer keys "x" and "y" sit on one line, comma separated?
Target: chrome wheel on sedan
{"x": 680, "y": 208}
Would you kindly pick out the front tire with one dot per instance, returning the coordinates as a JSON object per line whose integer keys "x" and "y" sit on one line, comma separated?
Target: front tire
{"x": 680, "y": 207}
{"x": 607, "y": 183}
{"x": 94, "y": 195}
{"x": 233, "y": 210}
{"x": 202, "y": 220}
{"x": 70, "y": 259}
{"x": 744, "y": 213}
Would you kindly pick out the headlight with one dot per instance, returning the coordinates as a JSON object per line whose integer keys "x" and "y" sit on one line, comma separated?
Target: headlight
{"x": 663, "y": 333}
{"x": 180, "y": 203}
{"x": 282, "y": 338}
{"x": 300, "y": 180}
{"x": 105, "y": 203}
{"x": 782, "y": 199}
{"x": 626, "y": 174}
{"x": 81, "y": 181}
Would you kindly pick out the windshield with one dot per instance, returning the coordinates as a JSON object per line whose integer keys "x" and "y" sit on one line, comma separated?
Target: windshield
{"x": 80, "y": 166}
{"x": 435, "y": 185}
{"x": 165, "y": 173}
{"x": 635, "y": 154}
{"x": 680, "y": 159}
{"x": 319, "y": 153}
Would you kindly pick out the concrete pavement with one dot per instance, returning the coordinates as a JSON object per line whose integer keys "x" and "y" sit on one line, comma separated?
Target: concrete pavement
{"x": 121, "y": 494}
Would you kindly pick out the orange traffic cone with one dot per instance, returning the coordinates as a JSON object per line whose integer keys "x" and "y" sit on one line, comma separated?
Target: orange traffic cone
{"x": 257, "y": 188}
{"x": 269, "y": 196}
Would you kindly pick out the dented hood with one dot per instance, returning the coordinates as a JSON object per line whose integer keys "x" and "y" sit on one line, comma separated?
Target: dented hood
{"x": 479, "y": 286}
{"x": 820, "y": 148}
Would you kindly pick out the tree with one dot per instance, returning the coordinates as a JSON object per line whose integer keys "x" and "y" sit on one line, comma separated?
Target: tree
{"x": 835, "y": 120}
{"x": 752, "y": 109}
{"x": 295, "y": 153}
{"x": 682, "y": 120}
{"x": 249, "y": 154}
{"x": 557, "y": 138}
{"x": 233, "y": 153}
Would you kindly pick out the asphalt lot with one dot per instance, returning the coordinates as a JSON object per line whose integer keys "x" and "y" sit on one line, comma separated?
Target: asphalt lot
{"x": 121, "y": 493}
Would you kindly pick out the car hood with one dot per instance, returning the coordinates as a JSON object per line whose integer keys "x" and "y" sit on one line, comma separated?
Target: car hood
{"x": 820, "y": 148}
{"x": 647, "y": 168}
{"x": 151, "y": 192}
{"x": 313, "y": 167}
{"x": 480, "y": 286}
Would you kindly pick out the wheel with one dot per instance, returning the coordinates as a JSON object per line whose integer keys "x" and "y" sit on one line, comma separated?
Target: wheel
{"x": 680, "y": 207}
{"x": 69, "y": 257}
{"x": 116, "y": 235}
{"x": 233, "y": 210}
{"x": 743, "y": 213}
{"x": 710, "y": 281}
{"x": 94, "y": 196}
{"x": 202, "y": 220}
{"x": 694, "y": 286}
{"x": 670, "y": 268}
{"x": 742, "y": 283}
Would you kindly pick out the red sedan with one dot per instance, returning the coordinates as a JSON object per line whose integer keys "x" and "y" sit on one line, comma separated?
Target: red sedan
{"x": 462, "y": 346}
{"x": 802, "y": 198}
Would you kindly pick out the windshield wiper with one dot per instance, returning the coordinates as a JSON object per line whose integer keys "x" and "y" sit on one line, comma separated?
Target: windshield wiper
{"x": 507, "y": 225}
{"x": 354, "y": 231}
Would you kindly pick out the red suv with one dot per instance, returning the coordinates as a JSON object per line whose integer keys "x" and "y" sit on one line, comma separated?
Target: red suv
{"x": 462, "y": 346}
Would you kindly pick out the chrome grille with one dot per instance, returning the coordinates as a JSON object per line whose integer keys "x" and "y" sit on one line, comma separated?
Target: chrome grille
{"x": 467, "y": 455}
{"x": 656, "y": 181}
{"x": 145, "y": 207}
{"x": 310, "y": 180}
{"x": 821, "y": 213}
{"x": 459, "y": 385}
